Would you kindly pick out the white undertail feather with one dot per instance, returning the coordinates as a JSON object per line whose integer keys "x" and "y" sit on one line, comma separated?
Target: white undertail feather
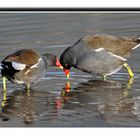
{"x": 1, "y": 67}
{"x": 18, "y": 66}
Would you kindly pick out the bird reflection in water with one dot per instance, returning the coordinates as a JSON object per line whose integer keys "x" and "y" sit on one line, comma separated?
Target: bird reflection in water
{"x": 96, "y": 86}
{"x": 20, "y": 104}
{"x": 109, "y": 99}
{"x": 64, "y": 96}
{"x": 29, "y": 105}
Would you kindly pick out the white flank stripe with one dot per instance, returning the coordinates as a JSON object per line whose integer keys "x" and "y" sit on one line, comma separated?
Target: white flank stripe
{"x": 26, "y": 72}
{"x": 117, "y": 56}
{"x": 18, "y": 66}
{"x": 100, "y": 49}
{"x": 135, "y": 47}
{"x": 35, "y": 65}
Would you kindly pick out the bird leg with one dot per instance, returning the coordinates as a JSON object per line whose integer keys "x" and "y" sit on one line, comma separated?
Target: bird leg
{"x": 130, "y": 82}
{"x": 27, "y": 87}
{"x": 128, "y": 87}
{"x": 103, "y": 77}
{"x": 131, "y": 74}
{"x": 4, "y": 98}
{"x": 4, "y": 83}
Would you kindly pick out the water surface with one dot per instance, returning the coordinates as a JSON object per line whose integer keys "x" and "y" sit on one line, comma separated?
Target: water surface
{"x": 90, "y": 102}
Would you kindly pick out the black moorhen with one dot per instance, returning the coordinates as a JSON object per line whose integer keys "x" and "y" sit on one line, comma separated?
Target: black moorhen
{"x": 101, "y": 54}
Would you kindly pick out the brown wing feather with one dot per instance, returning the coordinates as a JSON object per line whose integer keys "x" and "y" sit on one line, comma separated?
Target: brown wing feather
{"x": 25, "y": 56}
{"x": 118, "y": 45}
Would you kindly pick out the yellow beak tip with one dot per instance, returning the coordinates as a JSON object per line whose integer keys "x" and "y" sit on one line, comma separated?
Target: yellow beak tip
{"x": 61, "y": 67}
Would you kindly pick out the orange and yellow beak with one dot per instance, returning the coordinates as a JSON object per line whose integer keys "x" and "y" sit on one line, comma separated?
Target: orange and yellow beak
{"x": 67, "y": 72}
{"x": 58, "y": 64}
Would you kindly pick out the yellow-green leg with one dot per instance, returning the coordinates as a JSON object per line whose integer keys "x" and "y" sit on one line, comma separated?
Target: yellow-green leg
{"x": 131, "y": 74}
{"x": 4, "y": 83}
{"x": 128, "y": 87}
{"x": 28, "y": 89}
{"x": 4, "y": 98}
{"x": 28, "y": 86}
{"x": 103, "y": 77}
{"x": 131, "y": 80}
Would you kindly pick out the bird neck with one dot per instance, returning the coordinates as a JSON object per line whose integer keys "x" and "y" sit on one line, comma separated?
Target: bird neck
{"x": 49, "y": 59}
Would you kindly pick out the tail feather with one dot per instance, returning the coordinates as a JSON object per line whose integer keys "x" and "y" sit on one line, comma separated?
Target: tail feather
{"x": 136, "y": 39}
{"x": 1, "y": 67}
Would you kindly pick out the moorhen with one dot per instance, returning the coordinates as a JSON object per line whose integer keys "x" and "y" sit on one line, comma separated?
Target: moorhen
{"x": 101, "y": 54}
{"x": 26, "y": 67}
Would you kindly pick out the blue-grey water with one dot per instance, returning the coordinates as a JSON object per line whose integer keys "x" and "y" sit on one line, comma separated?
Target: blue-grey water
{"x": 90, "y": 102}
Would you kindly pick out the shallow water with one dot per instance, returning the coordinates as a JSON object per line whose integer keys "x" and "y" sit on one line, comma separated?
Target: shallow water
{"x": 90, "y": 102}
